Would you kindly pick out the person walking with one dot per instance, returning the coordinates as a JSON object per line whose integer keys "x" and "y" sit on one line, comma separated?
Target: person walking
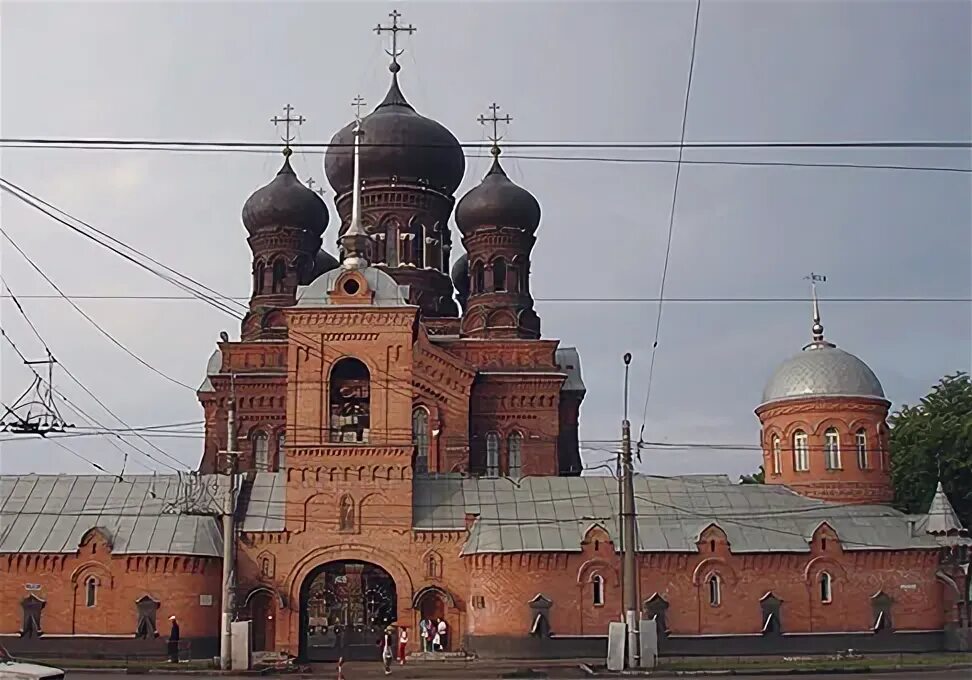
{"x": 402, "y": 644}
{"x": 441, "y": 632}
{"x": 424, "y": 626}
{"x": 387, "y": 643}
{"x": 173, "y": 640}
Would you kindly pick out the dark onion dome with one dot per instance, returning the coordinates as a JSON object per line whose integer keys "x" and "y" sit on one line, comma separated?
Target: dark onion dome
{"x": 285, "y": 201}
{"x": 460, "y": 276}
{"x": 397, "y": 143}
{"x": 497, "y": 202}
{"x": 323, "y": 263}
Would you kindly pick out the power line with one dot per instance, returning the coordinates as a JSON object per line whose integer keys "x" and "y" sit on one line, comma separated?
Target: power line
{"x": 79, "y": 142}
{"x": 557, "y": 300}
{"x": 90, "y": 320}
{"x": 671, "y": 220}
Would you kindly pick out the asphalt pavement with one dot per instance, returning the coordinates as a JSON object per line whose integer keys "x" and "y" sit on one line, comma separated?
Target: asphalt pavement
{"x": 369, "y": 673}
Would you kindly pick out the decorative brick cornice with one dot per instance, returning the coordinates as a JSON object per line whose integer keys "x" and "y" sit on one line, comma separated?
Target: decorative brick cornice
{"x": 350, "y": 451}
{"x": 370, "y": 318}
{"x": 821, "y": 405}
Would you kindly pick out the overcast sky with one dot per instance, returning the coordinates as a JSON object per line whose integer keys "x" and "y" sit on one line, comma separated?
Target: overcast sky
{"x": 793, "y": 71}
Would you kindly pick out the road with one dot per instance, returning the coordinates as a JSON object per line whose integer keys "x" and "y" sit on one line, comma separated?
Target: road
{"x": 369, "y": 673}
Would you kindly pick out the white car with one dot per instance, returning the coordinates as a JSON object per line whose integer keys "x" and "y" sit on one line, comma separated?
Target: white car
{"x": 11, "y": 669}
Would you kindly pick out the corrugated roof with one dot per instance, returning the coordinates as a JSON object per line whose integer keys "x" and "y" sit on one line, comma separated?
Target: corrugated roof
{"x": 140, "y": 514}
{"x": 554, "y": 513}
{"x": 266, "y": 508}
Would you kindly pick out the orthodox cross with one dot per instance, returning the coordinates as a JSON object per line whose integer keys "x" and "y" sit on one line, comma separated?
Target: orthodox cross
{"x": 817, "y": 329}
{"x": 287, "y": 120}
{"x": 358, "y": 102}
{"x": 495, "y": 120}
{"x": 310, "y": 185}
{"x": 394, "y": 29}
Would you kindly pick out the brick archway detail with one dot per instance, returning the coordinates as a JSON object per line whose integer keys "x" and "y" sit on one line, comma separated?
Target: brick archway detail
{"x": 710, "y": 564}
{"x": 825, "y": 563}
{"x": 336, "y": 553}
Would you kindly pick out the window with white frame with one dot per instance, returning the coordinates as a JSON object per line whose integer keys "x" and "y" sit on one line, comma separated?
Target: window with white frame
{"x": 832, "y": 448}
{"x": 261, "y": 451}
{"x": 514, "y": 450}
{"x": 715, "y": 590}
{"x": 801, "y": 451}
{"x": 777, "y": 455}
{"x": 492, "y": 455}
{"x": 860, "y": 441}
{"x": 597, "y": 590}
{"x": 826, "y": 588}
{"x": 91, "y": 592}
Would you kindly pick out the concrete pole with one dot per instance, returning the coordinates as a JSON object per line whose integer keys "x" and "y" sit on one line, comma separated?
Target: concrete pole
{"x": 229, "y": 469}
{"x": 629, "y": 572}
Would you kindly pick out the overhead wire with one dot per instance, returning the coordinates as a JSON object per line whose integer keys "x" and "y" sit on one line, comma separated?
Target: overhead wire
{"x": 671, "y": 220}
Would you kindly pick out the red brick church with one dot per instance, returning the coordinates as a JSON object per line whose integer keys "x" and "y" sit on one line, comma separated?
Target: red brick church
{"x": 408, "y": 447}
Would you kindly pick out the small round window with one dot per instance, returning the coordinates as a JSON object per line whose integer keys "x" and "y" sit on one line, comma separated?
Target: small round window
{"x": 351, "y": 286}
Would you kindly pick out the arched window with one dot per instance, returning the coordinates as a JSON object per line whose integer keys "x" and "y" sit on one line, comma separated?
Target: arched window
{"x": 777, "y": 455}
{"x": 514, "y": 275}
{"x": 826, "y": 588}
{"x": 832, "y": 448}
{"x": 346, "y": 513}
{"x": 420, "y": 436}
{"x": 514, "y": 451}
{"x": 417, "y": 245}
{"x": 860, "y": 440}
{"x": 478, "y": 278}
{"x": 492, "y": 455}
{"x": 499, "y": 274}
{"x": 259, "y": 274}
{"x": 90, "y": 592}
{"x": 350, "y": 402}
{"x": 279, "y": 273}
{"x": 597, "y": 590}
{"x": 523, "y": 273}
{"x": 801, "y": 451}
{"x": 281, "y": 451}
{"x": 261, "y": 451}
{"x": 715, "y": 590}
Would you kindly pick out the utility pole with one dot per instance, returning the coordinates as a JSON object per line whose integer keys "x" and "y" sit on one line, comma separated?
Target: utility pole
{"x": 229, "y": 469}
{"x": 629, "y": 572}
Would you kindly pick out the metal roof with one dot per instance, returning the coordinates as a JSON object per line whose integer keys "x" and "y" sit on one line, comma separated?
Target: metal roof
{"x": 266, "y": 508}
{"x": 822, "y": 371}
{"x": 568, "y": 361}
{"x": 140, "y": 514}
{"x": 554, "y": 513}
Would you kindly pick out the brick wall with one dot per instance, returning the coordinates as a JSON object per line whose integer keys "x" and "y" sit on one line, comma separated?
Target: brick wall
{"x": 176, "y": 582}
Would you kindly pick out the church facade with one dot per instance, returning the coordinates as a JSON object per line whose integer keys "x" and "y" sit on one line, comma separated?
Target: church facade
{"x": 405, "y": 446}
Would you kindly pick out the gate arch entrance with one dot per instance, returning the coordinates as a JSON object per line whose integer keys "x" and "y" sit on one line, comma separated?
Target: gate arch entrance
{"x": 345, "y": 606}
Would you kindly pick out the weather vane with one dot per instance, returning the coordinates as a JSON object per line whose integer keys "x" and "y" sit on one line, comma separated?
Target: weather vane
{"x": 394, "y": 29}
{"x": 495, "y": 120}
{"x": 287, "y": 120}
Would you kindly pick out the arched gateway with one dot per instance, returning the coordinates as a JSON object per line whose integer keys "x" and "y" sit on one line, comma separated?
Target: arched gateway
{"x": 344, "y": 608}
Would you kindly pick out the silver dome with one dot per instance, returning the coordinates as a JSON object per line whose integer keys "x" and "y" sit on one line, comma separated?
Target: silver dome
{"x": 822, "y": 370}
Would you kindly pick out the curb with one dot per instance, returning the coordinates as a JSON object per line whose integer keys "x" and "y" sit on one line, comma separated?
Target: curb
{"x": 757, "y": 672}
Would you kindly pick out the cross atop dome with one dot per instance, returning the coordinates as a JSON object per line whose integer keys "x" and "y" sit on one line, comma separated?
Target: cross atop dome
{"x": 287, "y": 138}
{"x": 394, "y": 29}
{"x": 817, "y": 329}
{"x": 495, "y": 120}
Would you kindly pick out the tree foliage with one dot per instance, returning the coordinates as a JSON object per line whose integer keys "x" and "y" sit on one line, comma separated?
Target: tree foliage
{"x": 758, "y": 477}
{"x": 932, "y": 440}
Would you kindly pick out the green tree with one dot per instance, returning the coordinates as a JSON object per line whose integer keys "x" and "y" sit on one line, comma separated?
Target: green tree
{"x": 932, "y": 440}
{"x": 758, "y": 477}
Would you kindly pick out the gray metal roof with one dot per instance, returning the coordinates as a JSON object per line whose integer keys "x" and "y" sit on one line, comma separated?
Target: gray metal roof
{"x": 822, "y": 371}
{"x": 265, "y": 510}
{"x": 142, "y": 514}
{"x": 568, "y": 361}
{"x": 554, "y": 513}
{"x": 941, "y": 519}
{"x": 387, "y": 291}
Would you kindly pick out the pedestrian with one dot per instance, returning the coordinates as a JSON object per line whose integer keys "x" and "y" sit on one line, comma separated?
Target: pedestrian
{"x": 387, "y": 644}
{"x": 424, "y": 628}
{"x": 174, "y": 640}
{"x": 402, "y": 643}
{"x": 441, "y": 632}
{"x": 436, "y": 639}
